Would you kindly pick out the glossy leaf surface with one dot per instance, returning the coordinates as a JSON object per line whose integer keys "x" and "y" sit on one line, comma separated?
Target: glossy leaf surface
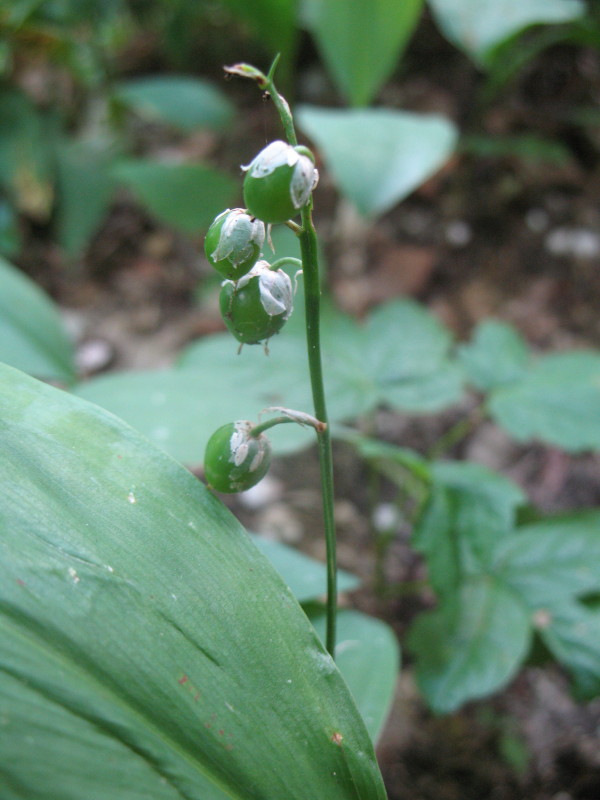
{"x": 142, "y": 628}
{"x": 377, "y": 156}
{"x": 368, "y": 657}
{"x": 32, "y": 337}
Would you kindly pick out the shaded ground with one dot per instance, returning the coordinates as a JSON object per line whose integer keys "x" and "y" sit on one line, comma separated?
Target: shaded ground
{"x": 503, "y": 236}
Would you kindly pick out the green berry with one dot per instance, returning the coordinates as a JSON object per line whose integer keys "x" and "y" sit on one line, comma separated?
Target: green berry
{"x": 257, "y": 306}
{"x": 279, "y": 182}
{"x": 233, "y": 242}
{"x": 234, "y": 460}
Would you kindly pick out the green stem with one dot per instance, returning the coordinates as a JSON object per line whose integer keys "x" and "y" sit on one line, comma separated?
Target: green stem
{"x": 312, "y": 303}
{"x": 270, "y": 423}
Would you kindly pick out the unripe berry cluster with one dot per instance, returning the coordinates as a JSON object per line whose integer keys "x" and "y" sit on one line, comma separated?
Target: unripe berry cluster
{"x": 256, "y": 299}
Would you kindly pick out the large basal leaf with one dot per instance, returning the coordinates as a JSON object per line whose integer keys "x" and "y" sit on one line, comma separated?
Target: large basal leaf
{"x": 496, "y": 355}
{"x": 368, "y": 656}
{"x": 306, "y": 577}
{"x": 148, "y": 649}
{"x": 179, "y": 100}
{"x": 84, "y": 186}
{"x": 361, "y": 42}
{"x": 478, "y": 26}
{"x": 557, "y": 401}
{"x": 398, "y": 358}
{"x": 471, "y": 645}
{"x": 32, "y": 337}
{"x": 377, "y": 156}
{"x": 186, "y": 196}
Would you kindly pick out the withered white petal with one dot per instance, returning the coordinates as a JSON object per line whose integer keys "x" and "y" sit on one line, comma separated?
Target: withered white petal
{"x": 274, "y": 155}
{"x": 304, "y": 179}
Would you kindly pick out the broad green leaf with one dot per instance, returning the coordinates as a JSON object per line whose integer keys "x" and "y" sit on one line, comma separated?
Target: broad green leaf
{"x": 550, "y": 561}
{"x": 407, "y": 355}
{"x": 377, "y": 450}
{"x": 142, "y": 629}
{"x": 469, "y": 510}
{"x": 496, "y": 355}
{"x": 558, "y": 401}
{"x": 361, "y": 42}
{"x": 274, "y": 23}
{"x": 550, "y": 565}
{"x": 180, "y": 100}
{"x": 368, "y": 657}
{"x": 84, "y": 188}
{"x": 306, "y": 577}
{"x": 178, "y": 409}
{"x": 32, "y": 337}
{"x": 377, "y": 156}
{"x": 186, "y": 196}
{"x": 26, "y": 157}
{"x": 478, "y": 26}
{"x": 471, "y": 645}
{"x": 572, "y": 634}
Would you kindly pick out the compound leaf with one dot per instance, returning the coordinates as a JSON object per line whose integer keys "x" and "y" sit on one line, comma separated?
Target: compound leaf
{"x": 496, "y": 355}
{"x": 557, "y": 401}
{"x": 471, "y": 645}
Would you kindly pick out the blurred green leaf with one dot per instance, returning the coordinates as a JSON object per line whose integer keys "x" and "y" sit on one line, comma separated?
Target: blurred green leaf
{"x": 179, "y": 100}
{"x": 26, "y": 154}
{"x": 469, "y": 510}
{"x": 368, "y": 656}
{"x": 85, "y": 187}
{"x": 378, "y": 156}
{"x": 527, "y": 147}
{"x": 275, "y": 27}
{"x": 477, "y": 26}
{"x": 178, "y": 409}
{"x": 185, "y": 196}
{"x": 360, "y": 42}
{"x": 398, "y": 358}
{"x": 10, "y": 235}
{"x": 557, "y": 401}
{"x": 306, "y": 577}
{"x": 496, "y": 355}
{"x": 552, "y": 565}
{"x": 32, "y": 337}
{"x": 141, "y": 629}
{"x": 470, "y": 646}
